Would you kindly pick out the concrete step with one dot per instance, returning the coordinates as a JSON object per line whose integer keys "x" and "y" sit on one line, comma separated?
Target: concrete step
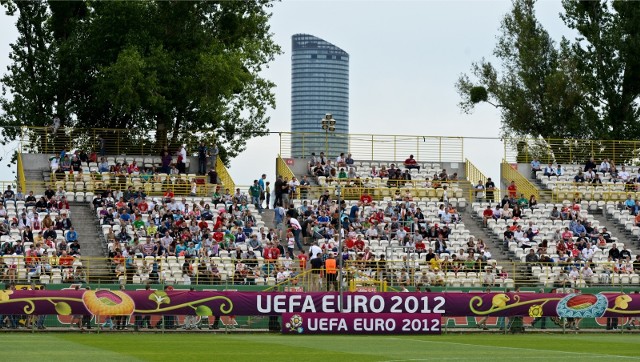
{"x": 91, "y": 240}
{"x": 474, "y": 225}
{"x": 617, "y": 231}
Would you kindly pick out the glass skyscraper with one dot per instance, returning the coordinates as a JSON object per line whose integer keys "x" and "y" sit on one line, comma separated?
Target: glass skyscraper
{"x": 319, "y": 85}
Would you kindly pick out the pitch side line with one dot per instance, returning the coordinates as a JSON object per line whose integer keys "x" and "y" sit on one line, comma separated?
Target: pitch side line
{"x": 515, "y": 348}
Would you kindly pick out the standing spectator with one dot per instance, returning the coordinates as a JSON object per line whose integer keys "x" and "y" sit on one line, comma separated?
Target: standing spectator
{"x": 331, "y": 271}
{"x": 535, "y": 166}
{"x": 255, "y": 191}
{"x": 182, "y": 158}
{"x": 267, "y": 193}
{"x": 278, "y": 192}
{"x": 101, "y": 145}
{"x": 489, "y": 187}
{"x": 213, "y": 154}
{"x": 166, "y": 162}
{"x": 261, "y": 183}
{"x": 479, "y": 191}
{"x": 203, "y": 154}
{"x": 296, "y": 229}
{"x": 512, "y": 189}
{"x": 213, "y": 176}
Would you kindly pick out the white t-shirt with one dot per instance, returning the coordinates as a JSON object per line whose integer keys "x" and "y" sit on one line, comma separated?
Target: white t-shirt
{"x": 315, "y": 251}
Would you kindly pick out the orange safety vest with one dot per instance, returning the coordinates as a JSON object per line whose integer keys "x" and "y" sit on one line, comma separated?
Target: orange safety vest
{"x": 330, "y": 265}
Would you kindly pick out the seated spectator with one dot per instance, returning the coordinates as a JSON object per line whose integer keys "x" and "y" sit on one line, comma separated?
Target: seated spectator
{"x": 605, "y": 166}
{"x": 411, "y": 163}
{"x": 531, "y": 258}
{"x": 579, "y": 178}
{"x": 341, "y": 161}
{"x": 630, "y": 203}
{"x": 74, "y": 248}
{"x": 549, "y": 170}
{"x": 349, "y": 161}
{"x": 623, "y": 175}
{"x": 535, "y": 166}
{"x": 103, "y": 166}
{"x": 72, "y": 235}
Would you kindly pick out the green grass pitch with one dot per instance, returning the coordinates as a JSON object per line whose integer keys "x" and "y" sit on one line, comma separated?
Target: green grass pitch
{"x": 274, "y": 347}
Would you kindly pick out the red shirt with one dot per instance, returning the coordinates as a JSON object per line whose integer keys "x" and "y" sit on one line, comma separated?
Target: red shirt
{"x": 366, "y": 199}
{"x": 359, "y": 245}
{"x": 410, "y": 161}
{"x": 512, "y": 190}
{"x": 68, "y": 260}
{"x": 143, "y": 207}
{"x": 487, "y": 213}
{"x": 349, "y": 243}
{"x": 168, "y": 194}
{"x": 303, "y": 261}
{"x": 203, "y": 225}
{"x": 271, "y": 254}
{"x": 218, "y": 236}
{"x": 420, "y": 246}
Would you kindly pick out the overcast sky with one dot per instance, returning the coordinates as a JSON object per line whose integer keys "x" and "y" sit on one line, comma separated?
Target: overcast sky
{"x": 405, "y": 57}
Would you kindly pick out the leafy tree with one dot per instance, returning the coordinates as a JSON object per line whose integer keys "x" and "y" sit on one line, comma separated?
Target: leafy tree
{"x": 534, "y": 87}
{"x": 27, "y": 90}
{"x": 168, "y": 72}
{"x": 566, "y": 93}
{"x": 607, "y": 56}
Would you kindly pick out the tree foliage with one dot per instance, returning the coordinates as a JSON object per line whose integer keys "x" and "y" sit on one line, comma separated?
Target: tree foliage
{"x": 607, "y": 56}
{"x": 582, "y": 88}
{"x": 535, "y": 84}
{"x": 167, "y": 71}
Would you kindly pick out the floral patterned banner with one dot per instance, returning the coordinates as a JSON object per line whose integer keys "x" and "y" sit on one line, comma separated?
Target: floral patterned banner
{"x": 205, "y": 303}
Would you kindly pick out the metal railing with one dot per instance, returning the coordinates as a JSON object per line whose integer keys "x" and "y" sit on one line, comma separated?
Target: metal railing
{"x": 363, "y": 275}
{"x": 180, "y": 185}
{"x": 375, "y": 147}
{"x": 101, "y": 140}
{"x": 568, "y": 151}
{"x": 22, "y": 180}
{"x": 473, "y": 174}
{"x": 568, "y": 190}
{"x": 223, "y": 175}
{"x": 523, "y": 185}
{"x": 283, "y": 170}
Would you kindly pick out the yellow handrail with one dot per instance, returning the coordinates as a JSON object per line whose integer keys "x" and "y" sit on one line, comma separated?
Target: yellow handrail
{"x": 224, "y": 176}
{"x": 22, "y": 180}
{"x": 375, "y": 147}
{"x": 282, "y": 169}
{"x": 524, "y": 186}
{"x": 473, "y": 173}
{"x": 569, "y": 151}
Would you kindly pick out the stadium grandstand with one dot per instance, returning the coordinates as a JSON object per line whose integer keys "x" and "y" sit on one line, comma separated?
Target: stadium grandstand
{"x": 394, "y": 213}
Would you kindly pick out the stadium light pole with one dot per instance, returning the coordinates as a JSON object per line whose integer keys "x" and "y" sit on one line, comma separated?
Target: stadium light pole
{"x": 340, "y": 259}
{"x": 328, "y": 124}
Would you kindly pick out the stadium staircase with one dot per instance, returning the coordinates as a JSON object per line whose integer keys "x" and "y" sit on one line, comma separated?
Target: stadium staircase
{"x": 267, "y": 217}
{"x": 617, "y": 230}
{"x": 474, "y": 224}
{"x": 92, "y": 247}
